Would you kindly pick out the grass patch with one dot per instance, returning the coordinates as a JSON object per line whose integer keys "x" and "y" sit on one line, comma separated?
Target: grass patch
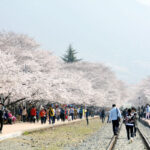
{"x": 63, "y": 136}
{"x": 26, "y": 133}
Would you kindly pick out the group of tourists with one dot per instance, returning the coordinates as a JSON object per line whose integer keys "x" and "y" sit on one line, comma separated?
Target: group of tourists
{"x": 68, "y": 112}
{"x": 43, "y": 114}
{"x": 129, "y": 118}
{"x": 52, "y": 113}
{"x": 6, "y": 115}
{"x": 144, "y": 111}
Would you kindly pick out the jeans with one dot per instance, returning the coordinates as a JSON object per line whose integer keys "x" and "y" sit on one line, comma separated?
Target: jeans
{"x": 115, "y": 124}
{"x": 24, "y": 118}
{"x": 62, "y": 116}
{"x": 33, "y": 119}
{"x": 72, "y": 116}
{"x": 103, "y": 119}
{"x": 129, "y": 131}
{"x": 134, "y": 130}
{"x": 45, "y": 118}
{"x": 51, "y": 119}
{"x": 54, "y": 119}
{"x": 58, "y": 118}
{"x": 147, "y": 115}
{"x": 42, "y": 120}
{"x": 87, "y": 120}
{"x": 80, "y": 115}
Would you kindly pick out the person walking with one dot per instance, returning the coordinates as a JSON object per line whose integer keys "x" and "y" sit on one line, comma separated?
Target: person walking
{"x": 29, "y": 114}
{"x": 54, "y": 117}
{"x": 129, "y": 122}
{"x": 62, "y": 114}
{"x": 20, "y": 113}
{"x": 58, "y": 113}
{"x": 102, "y": 115}
{"x": 42, "y": 115}
{"x": 81, "y": 113}
{"x": 72, "y": 113}
{"x": 51, "y": 115}
{"x": 134, "y": 114}
{"x": 24, "y": 114}
{"x": 75, "y": 113}
{"x": 33, "y": 114}
{"x": 115, "y": 117}
{"x": 87, "y": 116}
{"x": 124, "y": 113}
{"x": 37, "y": 115}
{"x": 1, "y": 117}
{"x": 147, "y": 111}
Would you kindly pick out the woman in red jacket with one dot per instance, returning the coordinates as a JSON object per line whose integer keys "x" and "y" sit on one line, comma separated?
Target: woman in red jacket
{"x": 33, "y": 114}
{"x": 42, "y": 115}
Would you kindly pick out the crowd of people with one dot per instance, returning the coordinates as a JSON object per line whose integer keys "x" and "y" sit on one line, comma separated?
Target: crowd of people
{"x": 52, "y": 113}
{"x": 6, "y": 116}
{"x": 43, "y": 114}
{"x": 129, "y": 117}
{"x": 144, "y": 111}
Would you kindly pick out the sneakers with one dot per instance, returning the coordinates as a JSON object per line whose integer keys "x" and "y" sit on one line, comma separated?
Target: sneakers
{"x": 131, "y": 140}
{"x": 116, "y": 134}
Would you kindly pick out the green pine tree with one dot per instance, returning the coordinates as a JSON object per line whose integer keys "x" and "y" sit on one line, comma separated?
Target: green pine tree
{"x": 70, "y": 55}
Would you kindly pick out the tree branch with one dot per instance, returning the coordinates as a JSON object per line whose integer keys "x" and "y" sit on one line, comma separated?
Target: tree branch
{"x": 17, "y": 101}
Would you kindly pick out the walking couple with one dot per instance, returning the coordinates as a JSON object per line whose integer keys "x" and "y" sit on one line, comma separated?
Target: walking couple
{"x": 131, "y": 123}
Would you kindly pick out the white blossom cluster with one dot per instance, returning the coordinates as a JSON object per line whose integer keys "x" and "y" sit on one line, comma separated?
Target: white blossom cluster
{"x": 141, "y": 92}
{"x": 27, "y": 72}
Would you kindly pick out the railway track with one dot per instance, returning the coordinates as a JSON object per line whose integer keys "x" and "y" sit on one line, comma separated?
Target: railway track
{"x": 114, "y": 139}
{"x": 145, "y": 139}
{"x": 103, "y": 140}
{"x": 117, "y": 142}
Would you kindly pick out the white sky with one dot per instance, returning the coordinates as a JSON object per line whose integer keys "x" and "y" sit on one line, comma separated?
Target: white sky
{"x": 114, "y": 32}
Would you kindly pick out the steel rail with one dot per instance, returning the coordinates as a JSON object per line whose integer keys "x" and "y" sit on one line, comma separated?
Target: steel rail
{"x": 114, "y": 139}
{"x": 144, "y": 138}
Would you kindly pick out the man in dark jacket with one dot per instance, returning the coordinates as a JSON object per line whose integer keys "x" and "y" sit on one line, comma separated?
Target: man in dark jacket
{"x": 1, "y": 117}
{"x": 102, "y": 115}
{"x": 87, "y": 116}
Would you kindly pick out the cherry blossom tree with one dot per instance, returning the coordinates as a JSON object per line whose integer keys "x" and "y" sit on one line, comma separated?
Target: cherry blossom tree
{"x": 141, "y": 92}
{"x": 31, "y": 74}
